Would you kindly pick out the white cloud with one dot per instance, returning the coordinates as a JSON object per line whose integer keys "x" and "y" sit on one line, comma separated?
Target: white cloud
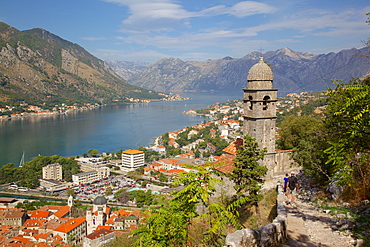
{"x": 235, "y": 37}
{"x": 165, "y": 15}
{"x": 248, "y": 8}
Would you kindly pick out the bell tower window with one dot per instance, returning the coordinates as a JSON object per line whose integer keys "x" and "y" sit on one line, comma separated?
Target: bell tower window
{"x": 266, "y": 102}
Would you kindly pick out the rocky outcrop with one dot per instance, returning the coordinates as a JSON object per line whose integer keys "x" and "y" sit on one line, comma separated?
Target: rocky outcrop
{"x": 126, "y": 69}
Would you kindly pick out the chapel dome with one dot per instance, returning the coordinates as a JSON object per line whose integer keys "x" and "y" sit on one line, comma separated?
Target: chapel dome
{"x": 100, "y": 200}
{"x": 260, "y": 72}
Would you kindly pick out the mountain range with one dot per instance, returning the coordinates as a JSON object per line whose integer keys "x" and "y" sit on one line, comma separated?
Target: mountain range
{"x": 38, "y": 67}
{"x": 293, "y": 71}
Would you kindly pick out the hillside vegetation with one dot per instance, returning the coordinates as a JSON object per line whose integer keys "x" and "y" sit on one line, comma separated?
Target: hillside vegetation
{"x": 332, "y": 145}
{"x": 40, "y": 68}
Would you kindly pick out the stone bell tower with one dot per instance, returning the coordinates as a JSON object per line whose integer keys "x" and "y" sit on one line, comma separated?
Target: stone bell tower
{"x": 260, "y": 109}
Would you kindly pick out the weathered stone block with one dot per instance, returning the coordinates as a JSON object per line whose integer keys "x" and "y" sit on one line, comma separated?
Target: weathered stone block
{"x": 244, "y": 237}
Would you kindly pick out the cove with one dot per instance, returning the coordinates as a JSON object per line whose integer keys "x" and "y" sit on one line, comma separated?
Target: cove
{"x": 107, "y": 129}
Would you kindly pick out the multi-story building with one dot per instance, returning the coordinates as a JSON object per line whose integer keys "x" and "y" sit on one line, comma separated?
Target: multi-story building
{"x": 52, "y": 171}
{"x": 12, "y": 217}
{"x": 99, "y": 238}
{"x": 73, "y": 231}
{"x": 91, "y": 176}
{"x": 132, "y": 159}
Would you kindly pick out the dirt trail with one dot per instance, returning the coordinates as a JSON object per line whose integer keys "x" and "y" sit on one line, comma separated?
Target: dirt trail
{"x": 308, "y": 226}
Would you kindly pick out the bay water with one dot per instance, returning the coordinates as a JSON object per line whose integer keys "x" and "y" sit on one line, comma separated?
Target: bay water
{"x": 107, "y": 129}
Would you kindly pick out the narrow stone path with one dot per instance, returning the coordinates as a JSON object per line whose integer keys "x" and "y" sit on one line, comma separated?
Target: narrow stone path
{"x": 307, "y": 226}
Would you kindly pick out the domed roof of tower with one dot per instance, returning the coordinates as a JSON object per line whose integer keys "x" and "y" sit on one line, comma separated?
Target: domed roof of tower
{"x": 260, "y": 72}
{"x": 100, "y": 200}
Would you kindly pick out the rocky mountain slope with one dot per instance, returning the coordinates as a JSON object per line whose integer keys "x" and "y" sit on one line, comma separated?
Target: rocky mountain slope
{"x": 294, "y": 71}
{"x": 38, "y": 67}
{"x": 126, "y": 69}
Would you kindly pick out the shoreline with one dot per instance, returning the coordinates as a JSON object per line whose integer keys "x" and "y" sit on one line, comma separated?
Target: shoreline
{"x": 74, "y": 109}
{"x": 38, "y": 196}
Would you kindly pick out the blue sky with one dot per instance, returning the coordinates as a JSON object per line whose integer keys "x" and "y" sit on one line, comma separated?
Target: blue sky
{"x": 194, "y": 30}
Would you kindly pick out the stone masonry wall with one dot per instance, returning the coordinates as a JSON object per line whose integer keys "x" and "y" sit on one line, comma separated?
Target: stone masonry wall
{"x": 272, "y": 234}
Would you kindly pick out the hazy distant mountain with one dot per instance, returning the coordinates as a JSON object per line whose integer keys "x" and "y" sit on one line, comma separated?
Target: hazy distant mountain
{"x": 126, "y": 69}
{"x": 294, "y": 71}
{"x": 37, "y": 66}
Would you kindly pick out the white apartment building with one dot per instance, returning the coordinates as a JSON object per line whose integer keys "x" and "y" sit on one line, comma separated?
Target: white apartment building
{"x": 91, "y": 176}
{"x": 132, "y": 159}
{"x": 52, "y": 171}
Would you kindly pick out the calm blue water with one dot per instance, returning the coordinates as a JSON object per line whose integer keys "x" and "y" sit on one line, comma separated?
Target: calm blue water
{"x": 107, "y": 129}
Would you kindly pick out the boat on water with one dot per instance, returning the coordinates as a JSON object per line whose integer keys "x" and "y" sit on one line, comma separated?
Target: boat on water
{"x": 22, "y": 160}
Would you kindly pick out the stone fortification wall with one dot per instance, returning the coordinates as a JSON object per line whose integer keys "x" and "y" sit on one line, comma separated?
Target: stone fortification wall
{"x": 279, "y": 164}
{"x": 283, "y": 163}
{"x": 272, "y": 234}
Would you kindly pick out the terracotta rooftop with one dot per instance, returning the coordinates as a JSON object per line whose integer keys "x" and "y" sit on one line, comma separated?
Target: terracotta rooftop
{"x": 132, "y": 152}
{"x": 6, "y": 213}
{"x": 98, "y": 233}
{"x": 34, "y": 222}
{"x": 40, "y": 214}
{"x": 231, "y": 149}
{"x": 228, "y": 163}
{"x": 70, "y": 225}
{"x": 122, "y": 212}
{"x": 54, "y": 223}
{"x": 110, "y": 221}
{"x": 63, "y": 211}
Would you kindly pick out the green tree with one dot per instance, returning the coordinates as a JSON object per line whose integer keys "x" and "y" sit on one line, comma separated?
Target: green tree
{"x": 165, "y": 228}
{"x": 294, "y": 129}
{"x": 248, "y": 174}
{"x": 170, "y": 226}
{"x": 124, "y": 197}
{"x": 93, "y": 152}
{"x": 119, "y": 154}
{"x": 307, "y": 138}
{"x": 141, "y": 197}
{"x": 163, "y": 178}
{"x": 108, "y": 191}
{"x": 70, "y": 192}
{"x": 348, "y": 127}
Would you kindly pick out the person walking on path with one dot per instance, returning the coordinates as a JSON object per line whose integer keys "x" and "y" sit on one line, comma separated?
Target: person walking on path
{"x": 292, "y": 188}
{"x": 286, "y": 178}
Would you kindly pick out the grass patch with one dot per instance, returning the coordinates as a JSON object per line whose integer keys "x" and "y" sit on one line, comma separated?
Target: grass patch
{"x": 266, "y": 212}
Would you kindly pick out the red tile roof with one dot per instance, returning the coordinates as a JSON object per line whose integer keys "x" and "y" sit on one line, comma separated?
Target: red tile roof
{"x": 98, "y": 233}
{"x": 63, "y": 211}
{"x": 104, "y": 227}
{"x": 34, "y": 222}
{"x": 226, "y": 163}
{"x": 110, "y": 221}
{"x": 231, "y": 149}
{"x": 40, "y": 214}
{"x": 70, "y": 225}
